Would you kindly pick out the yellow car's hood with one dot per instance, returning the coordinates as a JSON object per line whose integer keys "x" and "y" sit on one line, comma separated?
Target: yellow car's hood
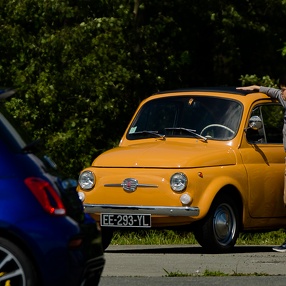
{"x": 167, "y": 154}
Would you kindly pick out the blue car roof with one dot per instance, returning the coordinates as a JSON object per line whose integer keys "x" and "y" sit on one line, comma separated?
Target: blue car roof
{"x": 6, "y": 92}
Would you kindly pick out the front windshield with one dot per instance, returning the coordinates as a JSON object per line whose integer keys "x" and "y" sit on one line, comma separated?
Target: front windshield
{"x": 187, "y": 116}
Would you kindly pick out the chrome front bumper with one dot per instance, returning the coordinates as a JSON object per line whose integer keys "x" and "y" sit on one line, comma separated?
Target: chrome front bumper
{"x": 153, "y": 210}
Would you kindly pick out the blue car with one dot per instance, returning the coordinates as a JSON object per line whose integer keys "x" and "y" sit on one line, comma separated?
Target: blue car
{"x": 45, "y": 237}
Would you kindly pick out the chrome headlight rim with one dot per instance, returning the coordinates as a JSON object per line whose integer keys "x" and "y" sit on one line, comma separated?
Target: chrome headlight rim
{"x": 179, "y": 182}
{"x": 86, "y": 180}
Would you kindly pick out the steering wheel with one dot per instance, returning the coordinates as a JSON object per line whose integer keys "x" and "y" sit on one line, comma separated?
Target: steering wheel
{"x": 217, "y": 125}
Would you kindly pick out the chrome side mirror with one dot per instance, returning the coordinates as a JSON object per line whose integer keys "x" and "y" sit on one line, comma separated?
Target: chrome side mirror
{"x": 255, "y": 123}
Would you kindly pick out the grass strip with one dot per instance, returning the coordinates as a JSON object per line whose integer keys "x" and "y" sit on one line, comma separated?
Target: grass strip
{"x": 209, "y": 273}
{"x": 165, "y": 237}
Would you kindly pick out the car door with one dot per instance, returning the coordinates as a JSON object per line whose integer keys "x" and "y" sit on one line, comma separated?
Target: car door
{"x": 264, "y": 158}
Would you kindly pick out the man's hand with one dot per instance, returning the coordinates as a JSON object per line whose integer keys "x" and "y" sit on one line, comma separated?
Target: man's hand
{"x": 251, "y": 87}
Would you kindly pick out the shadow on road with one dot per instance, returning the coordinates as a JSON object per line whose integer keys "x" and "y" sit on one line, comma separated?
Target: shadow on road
{"x": 182, "y": 249}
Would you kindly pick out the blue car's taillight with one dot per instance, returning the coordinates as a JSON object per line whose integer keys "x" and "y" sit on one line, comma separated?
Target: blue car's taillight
{"x": 46, "y": 195}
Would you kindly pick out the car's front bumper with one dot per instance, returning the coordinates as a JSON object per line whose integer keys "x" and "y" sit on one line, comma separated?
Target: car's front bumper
{"x": 153, "y": 210}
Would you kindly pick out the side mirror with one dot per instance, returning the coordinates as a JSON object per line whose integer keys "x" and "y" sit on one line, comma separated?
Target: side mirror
{"x": 69, "y": 183}
{"x": 255, "y": 123}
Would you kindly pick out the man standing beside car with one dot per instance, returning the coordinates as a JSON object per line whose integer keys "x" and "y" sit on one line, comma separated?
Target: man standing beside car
{"x": 280, "y": 95}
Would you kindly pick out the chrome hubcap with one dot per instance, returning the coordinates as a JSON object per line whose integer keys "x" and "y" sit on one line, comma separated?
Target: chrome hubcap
{"x": 224, "y": 224}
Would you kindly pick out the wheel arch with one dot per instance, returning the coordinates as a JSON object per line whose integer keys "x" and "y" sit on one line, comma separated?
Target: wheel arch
{"x": 220, "y": 186}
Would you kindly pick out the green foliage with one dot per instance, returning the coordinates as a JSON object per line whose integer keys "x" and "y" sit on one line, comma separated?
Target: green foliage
{"x": 177, "y": 274}
{"x": 76, "y": 65}
{"x": 158, "y": 237}
{"x": 211, "y": 273}
{"x": 81, "y": 67}
{"x": 153, "y": 237}
{"x": 254, "y": 79}
{"x": 263, "y": 238}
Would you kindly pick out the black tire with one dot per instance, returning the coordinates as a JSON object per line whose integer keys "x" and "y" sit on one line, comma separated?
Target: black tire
{"x": 218, "y": 231}
{"x": 106, "y": 234}
{"x": 15, "y": 266}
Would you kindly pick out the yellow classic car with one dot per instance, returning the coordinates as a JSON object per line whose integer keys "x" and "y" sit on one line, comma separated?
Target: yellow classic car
{"x": 207, "y": 160}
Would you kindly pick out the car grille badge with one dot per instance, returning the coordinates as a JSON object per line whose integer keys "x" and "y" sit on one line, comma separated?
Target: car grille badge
{"x": 130, "y": 185}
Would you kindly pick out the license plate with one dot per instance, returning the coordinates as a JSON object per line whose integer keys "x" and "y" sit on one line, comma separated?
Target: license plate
{"x": 125, "y": 220}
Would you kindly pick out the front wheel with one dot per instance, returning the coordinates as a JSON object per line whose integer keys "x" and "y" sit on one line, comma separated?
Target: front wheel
{"x": 16, "y": 269}
{"x": 218, "y": 231}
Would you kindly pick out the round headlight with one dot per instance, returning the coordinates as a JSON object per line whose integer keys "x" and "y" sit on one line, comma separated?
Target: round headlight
{"x": 178, "y": 182}
{"x": 86, "y": 180}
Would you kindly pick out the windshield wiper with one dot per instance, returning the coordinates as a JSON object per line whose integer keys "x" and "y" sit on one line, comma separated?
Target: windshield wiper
{"x": 191, "y": 131}
{"x": 153, "y": 133}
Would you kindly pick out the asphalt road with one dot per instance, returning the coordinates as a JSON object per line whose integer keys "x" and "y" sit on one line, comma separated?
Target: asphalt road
{"x": 149, "y": 265}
